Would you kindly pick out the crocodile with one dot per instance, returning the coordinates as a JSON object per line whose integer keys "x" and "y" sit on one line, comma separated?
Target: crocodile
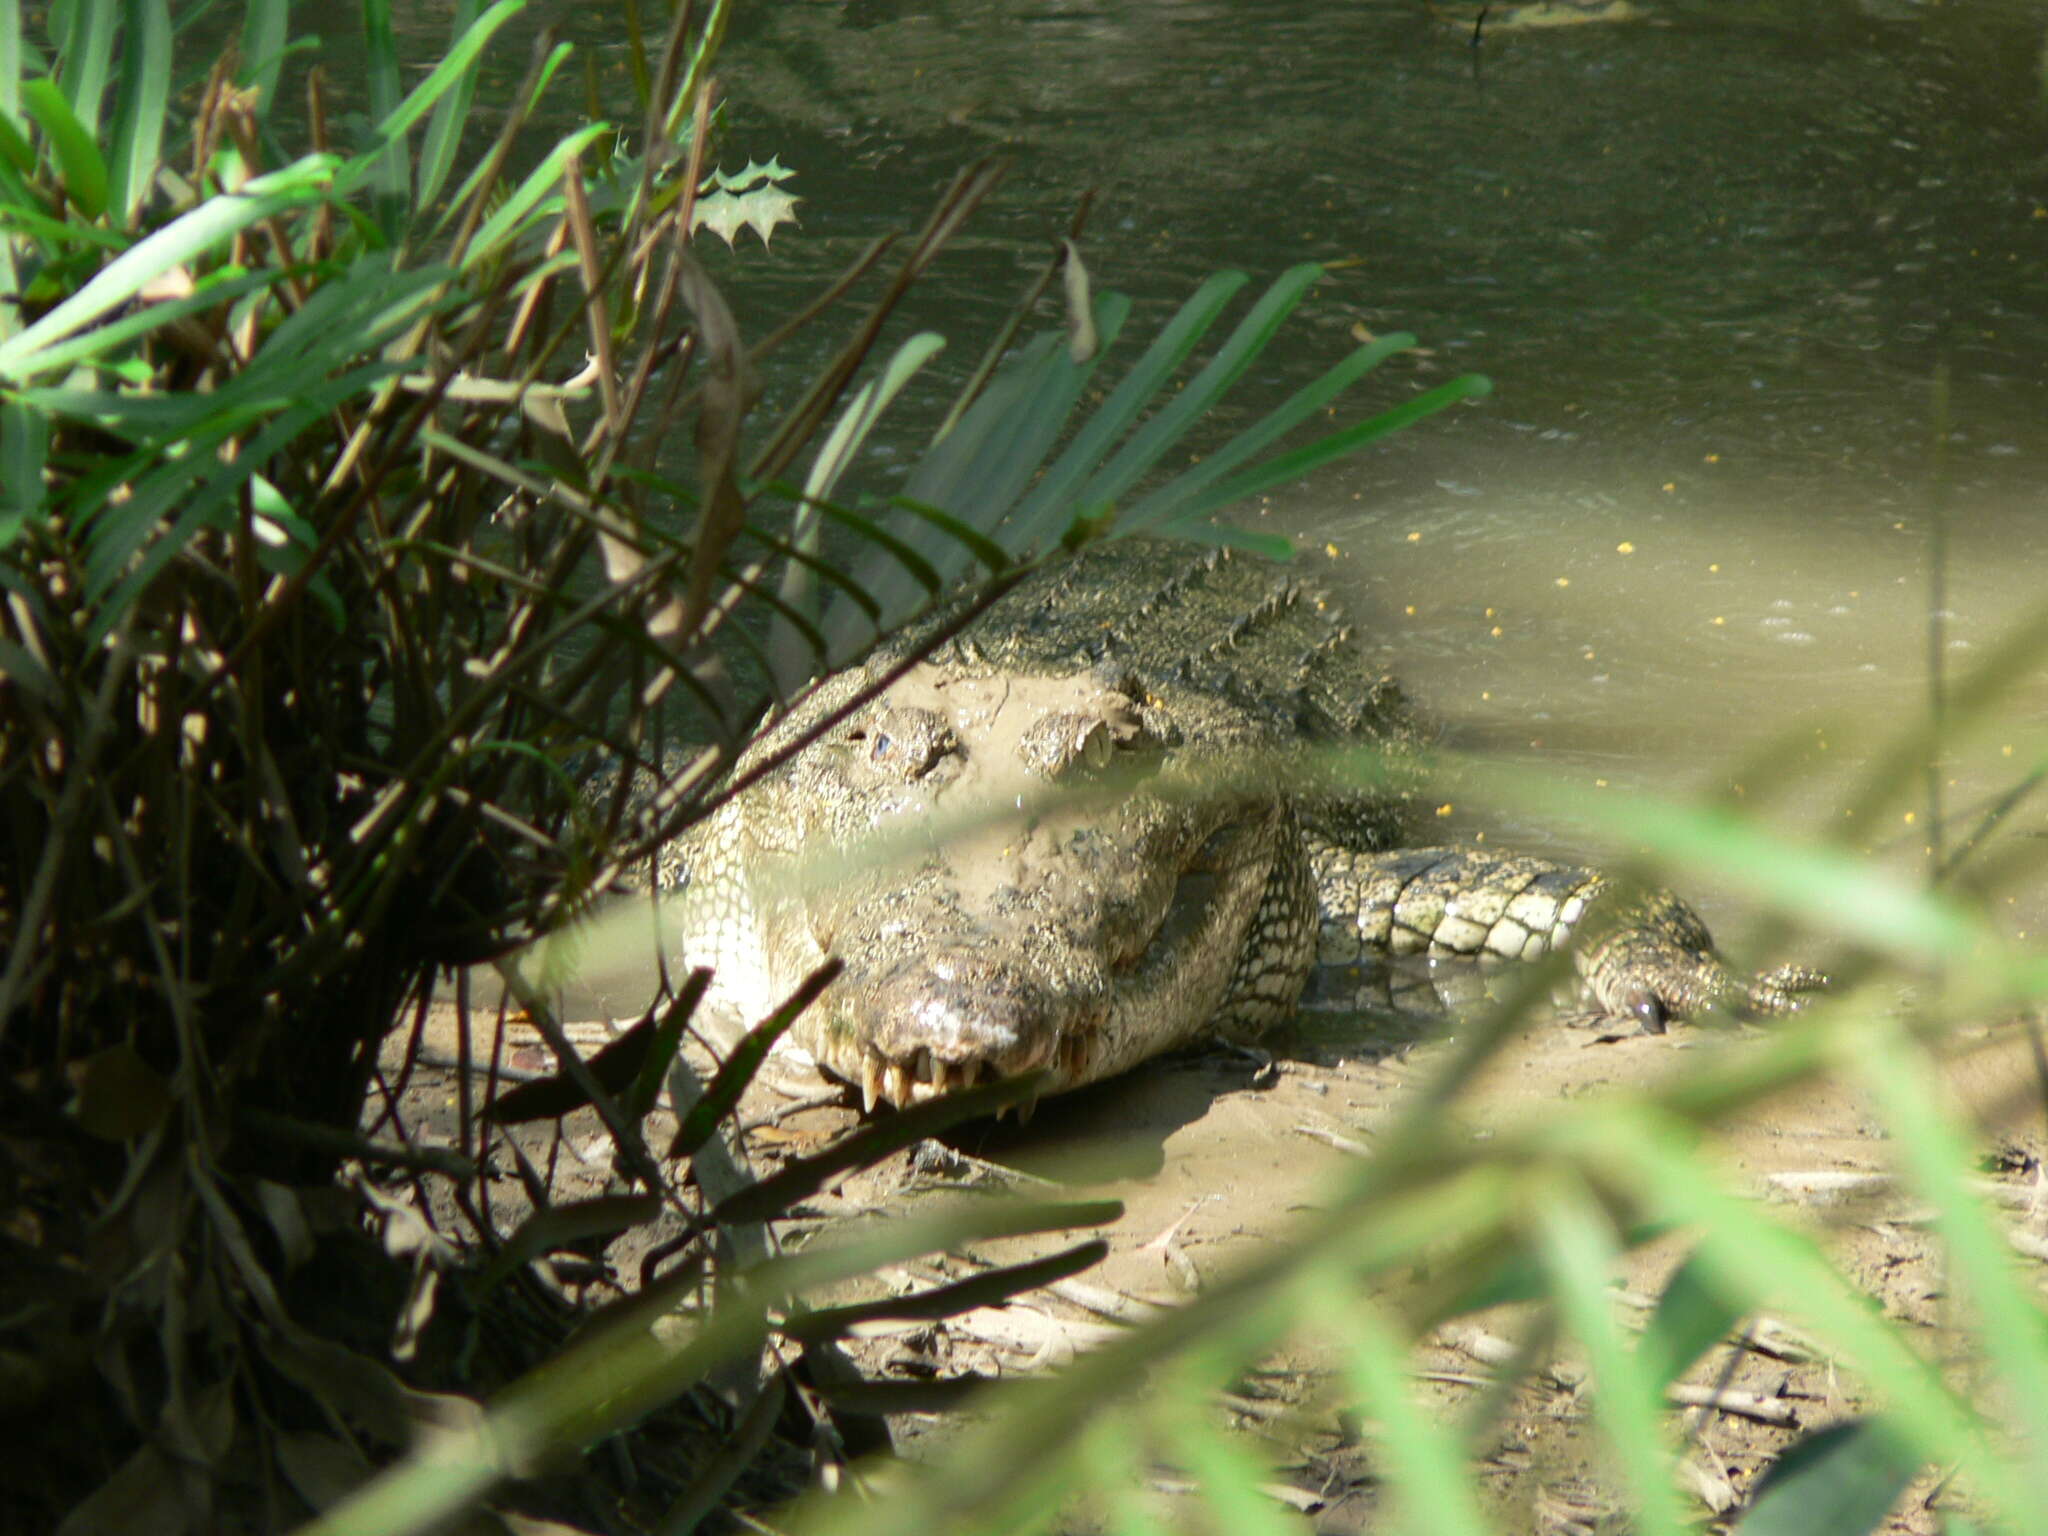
{"x": 1108, "y": 817}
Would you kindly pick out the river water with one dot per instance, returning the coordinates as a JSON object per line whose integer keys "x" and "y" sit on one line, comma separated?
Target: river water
{"x": 1715, "y": 261}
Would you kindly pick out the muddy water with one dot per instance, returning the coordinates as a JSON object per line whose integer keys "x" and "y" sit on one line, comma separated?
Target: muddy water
{"x": 1714, "y": 261}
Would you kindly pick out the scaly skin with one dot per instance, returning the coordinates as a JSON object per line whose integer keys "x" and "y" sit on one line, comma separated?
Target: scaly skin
{"x": 1094, "y": 827}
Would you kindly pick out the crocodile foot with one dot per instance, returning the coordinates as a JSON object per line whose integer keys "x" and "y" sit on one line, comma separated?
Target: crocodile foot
{"x": 1650, "y": 958}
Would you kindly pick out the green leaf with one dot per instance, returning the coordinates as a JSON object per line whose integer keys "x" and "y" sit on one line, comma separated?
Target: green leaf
{"x": 182, "y": 240}
{"x": 1691, "y": 1317}
{"x": 1838, "y": 1481}
{"x": 1577, "y": 1244}
{"x": 78, "y": 157}
{"x": 525, "y": 202}
{"x": 385, "y": 160}
{"x": 83, "y": 64}
{"x": 10, "y": 61}
{"x": 1151, "y": 442}
{"x": 139, "y": 112}
{"x": 791, "y": 655}
{"x": 743, "y": 1061}
{"x": 1160, "y": 509}
{"x": 1051, "y": 498}
{"x": 20, "y": 154}
{"x": 266, "y": 25}
{"x": 451, "y": 115}
{"x": 1421, "y": 1457}
{"x": 24, "y": 445}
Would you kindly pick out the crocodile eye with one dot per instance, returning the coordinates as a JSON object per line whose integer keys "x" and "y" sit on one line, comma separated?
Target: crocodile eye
{"x": 1068, "y": 746}
{"x": 905, "y": 742}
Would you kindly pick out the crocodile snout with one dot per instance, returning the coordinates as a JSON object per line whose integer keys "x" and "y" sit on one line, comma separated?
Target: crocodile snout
{"x": 950, "y": 1020}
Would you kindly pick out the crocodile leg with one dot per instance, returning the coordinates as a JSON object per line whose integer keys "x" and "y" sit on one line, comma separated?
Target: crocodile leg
{"x": 1645, "y": 955}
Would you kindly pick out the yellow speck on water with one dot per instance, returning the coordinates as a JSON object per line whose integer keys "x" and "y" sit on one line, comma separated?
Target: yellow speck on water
{"x": 1485, "y": 694}
{"x": 1444, "y": 809}
{"x": 1599, "y": 783}
{"x": 1624, "y": 548}
{"x": 1564, "y": 581}
{"x": 1489, "y": 613}
{"x": 2006, "y": 750}
{"x": 1415, "y": 536}
{"x": 1409, "y": 610}
{"x": 1738, "y": 790}
{"x": 1713, "y": 458}
{"x": 1720, "y": 619}
{"x": 1495, "y": 631}
{"x": 1911, "y": 817}
{"x": 1336, "y": 554}
{"x": 1589, "y": 653}
{"x": 2041, "y": 213}
{"x": 1713, "y": 567}
{"x": 1670, "y": 486}
{"x": 1480, "y": 837}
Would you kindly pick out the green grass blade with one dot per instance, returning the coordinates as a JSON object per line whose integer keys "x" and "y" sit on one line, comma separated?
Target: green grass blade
{"x": 530, "y": 199}
{"x": 71, "y": 141}
{"x": 948, "y": 476}
{"x": 1267, "y": 546}
{"x": 85, "y": 61}
{"x": 557, "y": 57}
{"x": 1577, "y": 1242}
{"x": 1903, "y": 1082}
{"x": 20, "y": 156}
{"x": 140, "y": 108}
{"x": 1229, "y": 1476}
{"x": 1053, "y": 497}
{"x": 387, "y": 161}
{"x": 266, "y": 28}
{"x": 10, "y": 61}
{"x": 24, "y": 451}
{"x": 993, "y": 556}
{"x": 450, "y": 116}
{"x": 209, "y": 502}
{"x": 704, "y": 1117}
{"x": 180, "y": 241}
{"x": 1842, "y": 1480}
{"x": 1691, "y": 1317}
{"x": 460, "y": 59}
{"x": 1827, "y": 888}
{"x": 1767, "y": 1267}
{"x": 1423, "y": 1459}
{"x": 223, "y": 286}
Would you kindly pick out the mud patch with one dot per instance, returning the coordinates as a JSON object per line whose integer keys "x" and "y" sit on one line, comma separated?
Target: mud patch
{"x": 1217, "y": 1154}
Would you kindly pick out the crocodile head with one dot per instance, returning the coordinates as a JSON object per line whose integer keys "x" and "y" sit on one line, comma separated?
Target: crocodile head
{"x": 1019, "y": 873}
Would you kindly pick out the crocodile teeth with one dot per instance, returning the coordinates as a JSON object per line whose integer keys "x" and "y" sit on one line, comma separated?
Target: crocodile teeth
{"x": 870, "y": 1082}
{"x": 897, "y": 1090}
